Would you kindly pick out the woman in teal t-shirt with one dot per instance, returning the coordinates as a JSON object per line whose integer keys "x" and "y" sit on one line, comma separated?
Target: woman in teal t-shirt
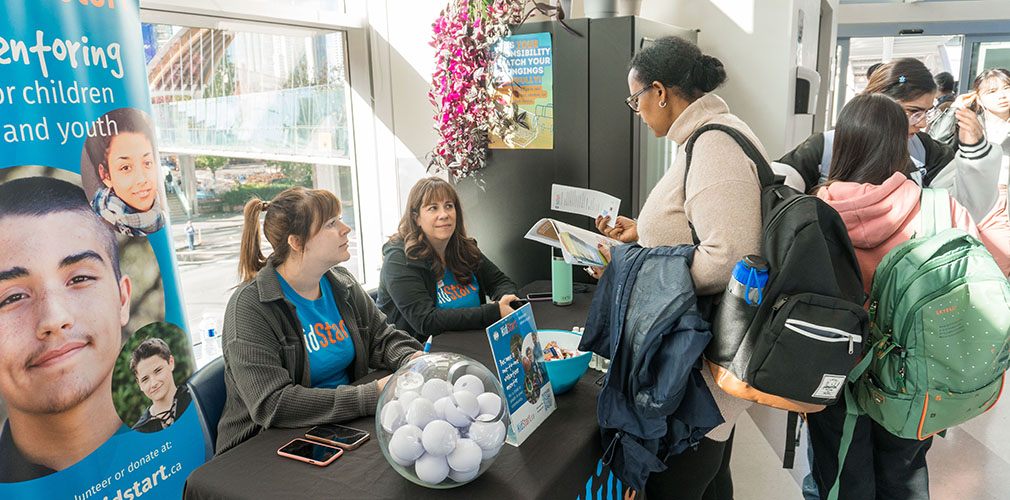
{"x": 434, "y": 278}
{"x": 299, "y": 329}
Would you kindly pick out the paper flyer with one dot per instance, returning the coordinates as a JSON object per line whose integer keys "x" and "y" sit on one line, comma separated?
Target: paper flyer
{"x": 588, "y": 202}
{"x": 519, "y": 361}
{"x": 579, "y": 246}
{"x": 95, "y": 404}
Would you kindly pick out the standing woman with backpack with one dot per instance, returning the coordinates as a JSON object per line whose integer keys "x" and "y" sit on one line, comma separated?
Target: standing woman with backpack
{"x": 670, "y": 82}
{"x": 869, "y": 187}
{"x": 968, "y": 172}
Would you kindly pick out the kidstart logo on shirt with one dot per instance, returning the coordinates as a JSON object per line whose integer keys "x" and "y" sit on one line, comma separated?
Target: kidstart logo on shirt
{"x": 330, "y": 348}
{"x": 453, "y": 296}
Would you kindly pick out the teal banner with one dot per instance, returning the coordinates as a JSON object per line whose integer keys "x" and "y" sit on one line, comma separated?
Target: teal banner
{"x": 94, "y": 350}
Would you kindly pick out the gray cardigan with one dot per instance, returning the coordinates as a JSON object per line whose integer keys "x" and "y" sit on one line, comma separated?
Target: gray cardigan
{"x": 267, "y": 367}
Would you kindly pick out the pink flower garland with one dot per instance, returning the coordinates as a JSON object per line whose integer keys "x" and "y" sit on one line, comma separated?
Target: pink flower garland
{"x": 468, "y": 109}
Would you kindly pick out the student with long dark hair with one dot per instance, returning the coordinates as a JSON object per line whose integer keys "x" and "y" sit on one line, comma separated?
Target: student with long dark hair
{"x": 434, "y": 278}
{"x": 868, "y": 185}
{"x": 299, "y": 328}
{"x": 969, "y": 173}
{"x": 670, "y": 82}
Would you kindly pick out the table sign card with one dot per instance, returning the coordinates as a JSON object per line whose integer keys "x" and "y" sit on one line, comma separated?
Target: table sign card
{"x": 519, "y": 361}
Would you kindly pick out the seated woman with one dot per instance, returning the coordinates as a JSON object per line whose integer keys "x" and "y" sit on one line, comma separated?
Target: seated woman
{"x": 434, "y": 279}
{"x": 297, "y": 331}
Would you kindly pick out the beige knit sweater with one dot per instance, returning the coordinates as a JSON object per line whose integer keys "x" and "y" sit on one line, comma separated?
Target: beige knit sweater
{"x": 723, "y": 202}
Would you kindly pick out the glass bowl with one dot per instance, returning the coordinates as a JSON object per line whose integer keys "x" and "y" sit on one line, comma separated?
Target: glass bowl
{"x": 441, "y": 420}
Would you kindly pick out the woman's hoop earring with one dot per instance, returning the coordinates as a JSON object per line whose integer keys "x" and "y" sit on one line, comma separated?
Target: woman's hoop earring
{"x": 662, "y": 104}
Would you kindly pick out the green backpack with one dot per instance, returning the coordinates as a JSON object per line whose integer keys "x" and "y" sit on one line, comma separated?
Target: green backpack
{"x": 939, "y": 340}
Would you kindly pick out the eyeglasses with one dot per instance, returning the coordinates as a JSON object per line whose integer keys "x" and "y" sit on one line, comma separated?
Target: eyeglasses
{"x": 632, "y": 100}
{"x": 917, "y": 117}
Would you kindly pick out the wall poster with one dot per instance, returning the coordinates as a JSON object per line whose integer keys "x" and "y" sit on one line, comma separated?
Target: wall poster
{"x": 523, "y": 75}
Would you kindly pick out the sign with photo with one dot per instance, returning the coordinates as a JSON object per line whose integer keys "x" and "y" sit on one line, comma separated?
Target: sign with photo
{"x": 519, "y": 360}
{"x": 94, "y": 354}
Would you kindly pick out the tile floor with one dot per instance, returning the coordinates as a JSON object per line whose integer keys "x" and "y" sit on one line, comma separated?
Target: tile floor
{"x": 971, "y": 463}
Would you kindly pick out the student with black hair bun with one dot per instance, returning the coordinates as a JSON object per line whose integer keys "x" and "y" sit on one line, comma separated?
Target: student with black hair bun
{"x": 969, "y": 173}
{"x": 670, "y": 82}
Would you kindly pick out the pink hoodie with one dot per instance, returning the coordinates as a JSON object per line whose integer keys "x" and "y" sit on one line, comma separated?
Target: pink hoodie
{"x": 880, "y": 217}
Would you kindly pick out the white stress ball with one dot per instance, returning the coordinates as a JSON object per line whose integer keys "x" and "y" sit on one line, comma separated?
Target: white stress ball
{"x": 431, "y": 469}
{"x": 455, "y": 415}
{"x": 436, "y": 389}
{"x": 466, "y": 456}
{"x": 407, "y": 397}
{"x": 420, "y": 412}
{"x": 393, "y": 416}
{"x": 406, "y": 444}
{"x": 490, "y": 403}
{"x": 410, "y": 381}
{"x": 463, "y": 477}
{"x": 440, "y": 407}
{"x": 489, "y": 454}
{"x": 467, "y": 403}
{"x": 470, "y": 383}
{"x": 439, "y": 438}
{"x": 487, "y": 434}
{"x": 402, "y": 461}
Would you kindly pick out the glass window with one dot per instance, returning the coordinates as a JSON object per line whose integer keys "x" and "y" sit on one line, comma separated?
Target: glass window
{"x": 242, "y": 114}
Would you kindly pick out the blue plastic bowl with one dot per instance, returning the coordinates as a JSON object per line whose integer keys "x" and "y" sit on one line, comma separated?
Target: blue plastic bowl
{"x": 564, "y": 373}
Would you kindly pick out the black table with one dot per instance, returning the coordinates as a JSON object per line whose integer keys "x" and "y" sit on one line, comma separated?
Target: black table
{"x": 561, "y": 459}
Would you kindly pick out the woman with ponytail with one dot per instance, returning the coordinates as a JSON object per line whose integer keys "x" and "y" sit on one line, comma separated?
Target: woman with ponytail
{"x": 670, "y": 81}
{"x": 299, "y": 329}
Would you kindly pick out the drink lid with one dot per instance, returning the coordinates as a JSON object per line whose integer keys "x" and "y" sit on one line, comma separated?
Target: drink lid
{"x": 752, "y": 276}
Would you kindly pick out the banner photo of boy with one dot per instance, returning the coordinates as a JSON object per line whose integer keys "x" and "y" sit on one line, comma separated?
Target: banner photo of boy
{"x": 149, "y": 382}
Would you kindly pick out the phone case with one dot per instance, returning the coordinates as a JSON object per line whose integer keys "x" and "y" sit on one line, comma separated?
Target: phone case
{"x": 337, "y": 455}
{"x": 328, "y": 442}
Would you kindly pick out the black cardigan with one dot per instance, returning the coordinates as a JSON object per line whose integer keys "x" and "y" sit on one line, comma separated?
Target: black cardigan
{"x": 407, "y": 294}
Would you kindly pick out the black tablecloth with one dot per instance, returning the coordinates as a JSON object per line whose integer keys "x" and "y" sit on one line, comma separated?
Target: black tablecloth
{"x": 556, "y": 461}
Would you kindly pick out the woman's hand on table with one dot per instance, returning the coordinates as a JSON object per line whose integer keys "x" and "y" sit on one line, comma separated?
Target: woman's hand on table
{"x": 382, "y": 381}
{"x": 504, "y": 304}
{"x": 625, "y": 230}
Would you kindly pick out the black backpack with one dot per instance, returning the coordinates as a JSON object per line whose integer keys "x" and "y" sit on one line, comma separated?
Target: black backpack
{"x": 795, "y": 349}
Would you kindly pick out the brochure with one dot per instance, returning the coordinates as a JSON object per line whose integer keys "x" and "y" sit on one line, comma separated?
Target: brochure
{"x": 579, "y": 246}
{"x": 519, "y": 361}
{"x": 584, "y": 202}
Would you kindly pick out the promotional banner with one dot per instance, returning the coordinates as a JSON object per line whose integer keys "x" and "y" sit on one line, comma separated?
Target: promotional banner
{"x": 523, "y": 75}
{"x": 519, "y": 361}
{"x": 94, "y": 356}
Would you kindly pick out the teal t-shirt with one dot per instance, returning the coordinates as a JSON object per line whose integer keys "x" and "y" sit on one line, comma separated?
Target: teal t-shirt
{"x": 331, "y": 350}
{"x": 453, "y": 296}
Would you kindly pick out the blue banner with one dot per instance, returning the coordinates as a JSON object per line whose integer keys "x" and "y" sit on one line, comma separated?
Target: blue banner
{"x": 94, "y": 350}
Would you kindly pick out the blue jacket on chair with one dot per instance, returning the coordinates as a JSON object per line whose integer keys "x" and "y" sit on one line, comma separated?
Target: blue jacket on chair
{"x": 645, "y": 319}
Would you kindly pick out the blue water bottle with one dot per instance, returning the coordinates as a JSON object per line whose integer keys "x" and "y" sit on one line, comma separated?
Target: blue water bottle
{"x": 749, "y": 278}
{"x": 744, "y": 293}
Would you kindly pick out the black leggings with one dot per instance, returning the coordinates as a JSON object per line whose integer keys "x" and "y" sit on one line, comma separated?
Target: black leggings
{"x": 701, "y": 474}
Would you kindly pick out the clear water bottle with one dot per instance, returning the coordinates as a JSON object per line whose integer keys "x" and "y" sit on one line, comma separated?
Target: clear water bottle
{"x": 211, "y": 337}
{"x": 744, "y": 293}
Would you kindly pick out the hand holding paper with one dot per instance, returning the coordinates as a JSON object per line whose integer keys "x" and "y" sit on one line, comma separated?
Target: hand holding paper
{"x": 584, "y": 202}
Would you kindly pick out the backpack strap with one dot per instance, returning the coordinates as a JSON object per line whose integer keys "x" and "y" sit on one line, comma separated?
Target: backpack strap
{"x": 765, "y": 174}
{"x": 934, "y": 211}
{"x": 849, "y": 427}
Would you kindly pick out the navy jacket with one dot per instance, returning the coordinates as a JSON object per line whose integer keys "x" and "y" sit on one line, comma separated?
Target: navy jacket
{"x": 645, "y": 319}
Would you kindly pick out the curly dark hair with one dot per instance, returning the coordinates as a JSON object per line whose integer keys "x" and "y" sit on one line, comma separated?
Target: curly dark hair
{"x": 462, "y": 257}
{"x": 678, "y": 63}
